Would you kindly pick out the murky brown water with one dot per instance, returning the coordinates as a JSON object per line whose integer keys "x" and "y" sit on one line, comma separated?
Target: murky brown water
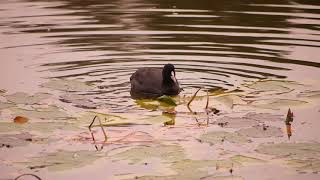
{"x": 256, "y": 60}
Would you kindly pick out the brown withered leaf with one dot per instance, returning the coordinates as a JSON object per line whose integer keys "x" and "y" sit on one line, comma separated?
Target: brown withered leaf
{"x": 20, "y": 120}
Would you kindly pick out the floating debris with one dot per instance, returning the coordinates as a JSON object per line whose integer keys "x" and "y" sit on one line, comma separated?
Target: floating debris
{"x": 20, "y": 120}
{"x": 92, "y": 134}
{"x": 288, "y": 122}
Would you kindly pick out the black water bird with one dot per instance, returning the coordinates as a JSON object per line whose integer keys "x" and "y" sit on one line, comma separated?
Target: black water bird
{"x": 149, "y": 82}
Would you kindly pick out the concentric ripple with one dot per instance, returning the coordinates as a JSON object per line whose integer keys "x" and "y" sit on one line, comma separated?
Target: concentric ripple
{"x": 212, "y": 44}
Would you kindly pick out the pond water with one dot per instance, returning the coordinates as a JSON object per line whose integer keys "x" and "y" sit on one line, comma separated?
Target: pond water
{"x": 65, "y": 62}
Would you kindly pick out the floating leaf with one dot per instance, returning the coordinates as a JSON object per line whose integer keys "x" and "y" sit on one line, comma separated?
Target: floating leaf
{"x": 236, "y": 122}
{"x": 272, "y": 85}
{"x": 264, "y": 117}
{"x": 168, "y": 100}
{"x": 20, "y": 120}
{"x": 67, "y": 85}
{"x": 63, "y": 160}
{"x": 164, "y": 152}
{"x": 221, "y": 136}
{"x": 80, "y": 101}
{"x": 50, "y": 112}
{"x": 44, "y": 127}
{"x": 261, "y": 132}
{"x": 24, "y": 98}
{"x": 246, "y": 160}
{"x": 13, "y": 140}
{"x": 310, "y": 165}
{"x": 277, "y": 103}
{"x": 292, "y": 150}
{"x": 4, "y": 105}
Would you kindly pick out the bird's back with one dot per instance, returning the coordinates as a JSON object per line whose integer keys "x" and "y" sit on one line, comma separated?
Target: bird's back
{"x": 146, "y": 82}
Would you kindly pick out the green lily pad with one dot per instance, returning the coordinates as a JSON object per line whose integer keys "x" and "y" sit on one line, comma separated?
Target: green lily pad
{"x": 291, "y": 150}
{"x": 148, "y": 104}
{"x": 138, "y": 154}
{"x": 168, "y": 100}
{"x": 50, "y": 112}
{"x": 62, "y": 160}
{"x": 68, "y": 85}
{"x": 24, "y": 98}
{"x": 261, "y": 132}
{"x": 215, "y": 137}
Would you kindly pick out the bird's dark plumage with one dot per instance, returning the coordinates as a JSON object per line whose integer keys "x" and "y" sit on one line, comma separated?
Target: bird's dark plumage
{"x": 154, "y": 82}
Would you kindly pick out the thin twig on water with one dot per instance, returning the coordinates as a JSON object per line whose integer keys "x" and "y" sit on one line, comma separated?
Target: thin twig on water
{"x": 92, "y": 135}
{"x": 194, "y": 96}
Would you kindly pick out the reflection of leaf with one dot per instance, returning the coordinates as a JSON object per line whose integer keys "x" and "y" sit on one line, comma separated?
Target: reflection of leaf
{"x": 63, "y": 160}
{"x": 261, "y": 132}
{"x": 24, "y": 98}
{"x": 221, "y": 136}
{"x": 168, "y": 100}
{"x": 67, "y": 85}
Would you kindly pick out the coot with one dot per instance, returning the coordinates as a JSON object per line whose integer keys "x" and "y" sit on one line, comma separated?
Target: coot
{"x": 154, "y": 82}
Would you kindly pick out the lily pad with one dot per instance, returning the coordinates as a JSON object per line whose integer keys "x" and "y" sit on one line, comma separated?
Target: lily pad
{"x": 13, "y": 140}
{"x": 80, "y": 101}
{"x": 261, "y": 132}
{"x": 68, "y": 85}
{"x": 272, "y": 85}
{"x": 5, "y": 105}
{"x": 44, "y": 127}
{"x": 215, "y": 137}
{"x": 246, "y": 160}
{"x": 277, "y": 103}
{"x": 24, "y": 98}
{"x": 310, "y": 165}
{"x": 50, "y": 112}
{"x": 264, "y": 117}
{"x": 291, "y": 150}
{"x": 138, "y": 154}
{"x": 62, "y": 160}
{"x": 229, "y": 100}
{"x": 236, "y": 122}
{"x": 168, "y": 100}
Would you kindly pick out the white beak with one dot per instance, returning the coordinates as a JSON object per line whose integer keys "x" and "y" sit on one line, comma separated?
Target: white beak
{"x": 173, "y": 77}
